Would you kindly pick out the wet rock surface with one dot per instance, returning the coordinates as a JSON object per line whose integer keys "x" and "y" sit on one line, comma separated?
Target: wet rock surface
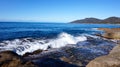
{"x": 50, "y": 62}
{"x": 33, "y": 53}
{"x": 111, "y": 60}
{"x": 79, "y": 54}
{"x": 71, "y": 55}
{"x": 11, "y": 59}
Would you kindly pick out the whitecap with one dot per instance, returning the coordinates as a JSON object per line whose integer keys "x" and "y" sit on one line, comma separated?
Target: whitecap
{"x": 21, "y": 46}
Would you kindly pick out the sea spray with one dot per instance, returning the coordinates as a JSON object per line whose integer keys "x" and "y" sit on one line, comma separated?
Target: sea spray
{"x": 21, "y": 46}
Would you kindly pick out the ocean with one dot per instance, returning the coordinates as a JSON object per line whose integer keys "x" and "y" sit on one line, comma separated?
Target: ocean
{"x": 22, "y": 37}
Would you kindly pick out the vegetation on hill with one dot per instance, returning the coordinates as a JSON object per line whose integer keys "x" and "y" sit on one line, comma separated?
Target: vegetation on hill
{"x": 110, "y": 20}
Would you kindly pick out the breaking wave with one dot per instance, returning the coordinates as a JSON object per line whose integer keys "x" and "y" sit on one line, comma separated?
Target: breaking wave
{"x": 21, "y": 46}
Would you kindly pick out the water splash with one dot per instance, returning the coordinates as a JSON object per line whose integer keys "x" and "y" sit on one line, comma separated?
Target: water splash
{"x": 21, "y": 46}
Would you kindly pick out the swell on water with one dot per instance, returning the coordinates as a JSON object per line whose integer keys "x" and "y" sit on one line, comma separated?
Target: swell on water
{"x": 21, "y": 46}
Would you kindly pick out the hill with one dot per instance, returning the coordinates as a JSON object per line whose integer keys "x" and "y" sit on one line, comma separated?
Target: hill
{"x": 110, "y": 20}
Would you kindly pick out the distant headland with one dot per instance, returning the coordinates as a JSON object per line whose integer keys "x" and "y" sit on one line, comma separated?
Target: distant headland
{"x": 110, "y": 20}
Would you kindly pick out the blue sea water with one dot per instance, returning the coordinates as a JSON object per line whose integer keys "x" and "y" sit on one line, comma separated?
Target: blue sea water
{"x": 13, "y": 30}
{"x": 22, "y": 37}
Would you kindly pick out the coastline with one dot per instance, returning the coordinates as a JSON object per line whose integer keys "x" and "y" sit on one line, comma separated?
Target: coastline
{"x": 66, "y": 56}
{"x": 112, "y": 59}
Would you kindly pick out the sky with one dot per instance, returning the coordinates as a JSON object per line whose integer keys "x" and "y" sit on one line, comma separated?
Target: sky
{"x": 57, "y": 10}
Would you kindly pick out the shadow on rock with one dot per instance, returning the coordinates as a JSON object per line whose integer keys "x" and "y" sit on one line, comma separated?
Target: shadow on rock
{"x": 49, "y": 62}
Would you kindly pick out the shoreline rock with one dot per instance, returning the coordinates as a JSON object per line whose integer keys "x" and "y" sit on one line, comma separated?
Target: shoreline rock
{"x": 12, "y": 59}
{"x": 111, "y": 60}
{"x": 111, "y": 33}
{"x": 33, "y": 53}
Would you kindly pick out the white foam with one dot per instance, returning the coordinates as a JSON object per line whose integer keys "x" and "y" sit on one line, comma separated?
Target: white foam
{"x": 21, "y": 46}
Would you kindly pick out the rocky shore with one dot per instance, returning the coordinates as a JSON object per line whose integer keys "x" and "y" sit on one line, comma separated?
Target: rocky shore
{"x": 113, "y": 58}
{"x": 111, "y": 33}
{"x": 74, "y": 55}
{"x": 11, "y": 59}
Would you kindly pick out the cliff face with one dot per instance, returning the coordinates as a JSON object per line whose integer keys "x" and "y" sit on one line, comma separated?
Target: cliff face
{"x": 110, "y": 20}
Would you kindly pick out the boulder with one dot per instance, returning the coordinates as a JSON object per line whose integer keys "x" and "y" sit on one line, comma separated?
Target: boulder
{"x": 109, "y": 29}
{"x": 11, "y": 59}
{"x": 111, "y": 33}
